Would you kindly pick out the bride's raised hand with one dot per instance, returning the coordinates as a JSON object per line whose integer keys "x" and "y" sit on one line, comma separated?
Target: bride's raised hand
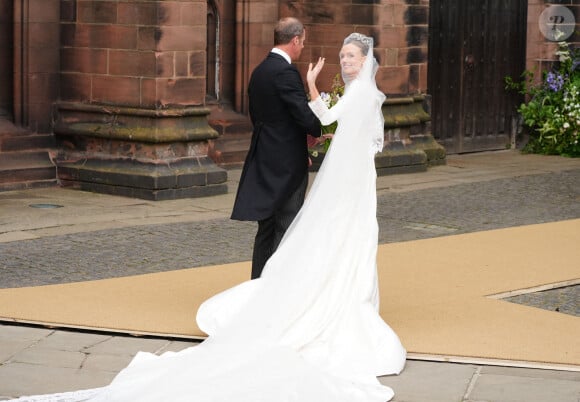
{"x": 313, "y": 71}
{"x": 311, "y": 78}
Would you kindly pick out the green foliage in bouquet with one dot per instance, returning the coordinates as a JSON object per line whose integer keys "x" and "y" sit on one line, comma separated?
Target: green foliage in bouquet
{"x": 330, "y": 99}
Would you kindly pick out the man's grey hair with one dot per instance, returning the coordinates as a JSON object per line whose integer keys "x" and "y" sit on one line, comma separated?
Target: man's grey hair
{"x": 286, "y": 29}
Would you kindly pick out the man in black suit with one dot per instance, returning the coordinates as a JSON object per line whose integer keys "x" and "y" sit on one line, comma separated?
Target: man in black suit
{"x": 275, "y": 174}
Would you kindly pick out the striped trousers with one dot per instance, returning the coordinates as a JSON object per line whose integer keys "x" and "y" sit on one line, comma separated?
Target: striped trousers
{"x": 272, "y": 229}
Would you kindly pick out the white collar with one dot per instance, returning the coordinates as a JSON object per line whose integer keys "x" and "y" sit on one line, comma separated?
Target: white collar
{"x": 283, "y": 54}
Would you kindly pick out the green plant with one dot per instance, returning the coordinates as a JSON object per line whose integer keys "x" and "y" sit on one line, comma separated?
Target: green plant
{"x": 552, "y": 113}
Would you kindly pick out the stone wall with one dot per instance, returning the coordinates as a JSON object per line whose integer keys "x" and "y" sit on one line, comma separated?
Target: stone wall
{"x": 131, "y": 118}
{"x": 36, "y": 62}
{"x": 124, "y": 83}
{"x": 399, "y": 27}
{"x": 148, "y": 54}
{"x": 540, "y": 51}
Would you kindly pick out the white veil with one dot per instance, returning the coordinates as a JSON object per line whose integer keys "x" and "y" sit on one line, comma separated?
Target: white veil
{"x": 360, "y": 109}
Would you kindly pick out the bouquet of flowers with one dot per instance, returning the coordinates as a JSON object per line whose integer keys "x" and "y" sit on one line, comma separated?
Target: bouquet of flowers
{"x": 330, "y": 99}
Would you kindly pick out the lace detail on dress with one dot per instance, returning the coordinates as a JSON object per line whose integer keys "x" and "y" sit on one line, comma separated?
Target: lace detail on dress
{"x": 379, "y": 139}
{"x": 320, "y": 109}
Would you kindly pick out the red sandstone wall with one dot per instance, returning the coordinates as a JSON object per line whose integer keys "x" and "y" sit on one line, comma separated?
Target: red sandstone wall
{"x": 540, "y": 52}
{"x": 148, "y": 54}
{"x": 36, "y": 63}
{"x": 399, "y": 27}
{"x": 255, "y": 22}
{"x": 151, "y": 54}
{"x": 403, "y": 42}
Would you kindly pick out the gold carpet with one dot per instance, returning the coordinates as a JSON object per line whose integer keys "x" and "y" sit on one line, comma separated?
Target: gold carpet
{"x": 437, "y": 294}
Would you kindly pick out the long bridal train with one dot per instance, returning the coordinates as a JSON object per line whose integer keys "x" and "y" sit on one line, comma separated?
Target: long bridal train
{"x": 309, "y": 329}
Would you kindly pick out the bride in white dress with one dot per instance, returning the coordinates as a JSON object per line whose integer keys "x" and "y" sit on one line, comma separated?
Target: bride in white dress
{"x": 309, "y": 329}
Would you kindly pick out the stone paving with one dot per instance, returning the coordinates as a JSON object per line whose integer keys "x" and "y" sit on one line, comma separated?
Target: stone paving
{"x": 500, "y": 190}
{"x": 565, "y": 300}
{"x": 402, "y": 216}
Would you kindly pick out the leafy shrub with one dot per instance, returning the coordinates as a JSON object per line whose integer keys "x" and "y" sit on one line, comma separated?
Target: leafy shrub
{"x": 552, "y": 114}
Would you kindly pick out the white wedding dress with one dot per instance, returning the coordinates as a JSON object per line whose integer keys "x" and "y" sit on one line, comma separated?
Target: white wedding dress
{"x": 309, "y": 329}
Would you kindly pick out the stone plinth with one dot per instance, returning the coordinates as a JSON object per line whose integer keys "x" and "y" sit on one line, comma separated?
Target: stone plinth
{"x": 149, "y": 154}
{"x": 409, "y": 145}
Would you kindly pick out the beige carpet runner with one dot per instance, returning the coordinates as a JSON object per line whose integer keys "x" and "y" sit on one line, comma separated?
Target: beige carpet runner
{"x": 437, "y": 294}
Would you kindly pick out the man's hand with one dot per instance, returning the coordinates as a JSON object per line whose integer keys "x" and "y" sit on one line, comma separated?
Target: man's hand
{"x": 324, "y": 137}
{"x": 312, "y": 141}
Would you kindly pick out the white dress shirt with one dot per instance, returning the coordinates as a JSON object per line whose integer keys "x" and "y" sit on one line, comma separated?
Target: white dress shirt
{"x": 283, "y": 54}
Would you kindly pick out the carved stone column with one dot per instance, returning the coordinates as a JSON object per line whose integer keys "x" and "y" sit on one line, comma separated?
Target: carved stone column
{"x": 141, "y": 153}
{"x": 409, "y": 146}
{"x": 132, "y": 120}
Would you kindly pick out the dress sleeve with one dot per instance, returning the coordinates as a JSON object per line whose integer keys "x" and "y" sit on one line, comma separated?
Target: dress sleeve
{"x": 360, "y": 108}
{"x": 324, "y": 114}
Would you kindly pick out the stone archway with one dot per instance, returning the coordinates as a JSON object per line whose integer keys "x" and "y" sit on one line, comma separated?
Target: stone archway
{"x": 220, "y": 50}
{"x": 227, "y": 76}
{"x": 213, "y": 52}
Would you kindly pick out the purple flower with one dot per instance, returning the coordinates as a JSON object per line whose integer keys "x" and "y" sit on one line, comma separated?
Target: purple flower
{"x": 554, "y": 81}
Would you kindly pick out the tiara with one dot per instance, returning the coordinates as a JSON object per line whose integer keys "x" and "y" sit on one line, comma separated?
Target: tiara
{"x": 355, "y": 36}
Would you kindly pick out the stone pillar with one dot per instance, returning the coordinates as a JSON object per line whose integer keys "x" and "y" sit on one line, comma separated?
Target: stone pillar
{"x": 132, "y": 119}
{"x": 403, "y": 47}
{"x": 255, "y": 22}
{"x": 36, "y": 62}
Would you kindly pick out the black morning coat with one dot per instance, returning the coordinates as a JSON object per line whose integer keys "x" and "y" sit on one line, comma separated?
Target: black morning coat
{"x": 277, "y": 160}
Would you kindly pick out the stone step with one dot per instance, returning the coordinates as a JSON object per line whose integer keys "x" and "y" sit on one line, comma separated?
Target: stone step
{"x": 29, "y": 179}
{"x": 25, "y": 160}
{"x": 26, "y": 169}
{"x": 229, "y": 151}
{"x": 231, "y": 127}
{"x": 227, "y": 121}
{"x": 235, "y": 132}
{"x": 234, "y": 142}
{"x": 10, "y": 142}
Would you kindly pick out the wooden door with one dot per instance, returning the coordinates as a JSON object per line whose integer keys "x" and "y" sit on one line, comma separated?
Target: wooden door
{"x": 473, "y": 46}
